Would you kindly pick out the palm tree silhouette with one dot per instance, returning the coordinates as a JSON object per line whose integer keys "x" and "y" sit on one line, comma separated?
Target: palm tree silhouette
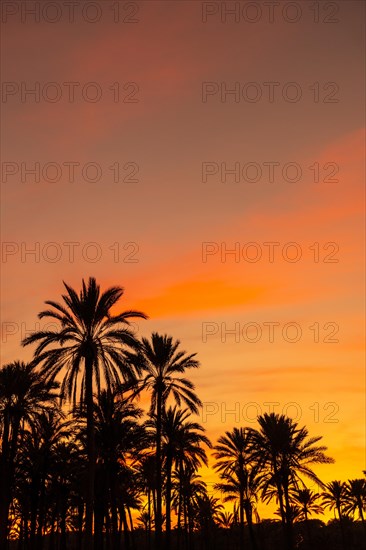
{"x": 161, "y": 362}
{"x": 188, "y": 486}
{"x": 74, "y": 479}
{"x": 147, "y": 480}
{"x": 234, "y": 464}
{"x": 284, "y": 452}
{"x": 64, "y": 491}
{"x": 355, "y": 493}
{"x": 181, "y": 442}
{"x": 335, "y": 498}
{"x": 208, "y": 509}
{"x": 24, "y": 394}
{"x": 38, "y": 446}
{"x": 225, "y": 519}
{"x": 242, "y": 486}
{"x": 307, "y": 502}
{"x": 119, "y": 439}
{"x": 89, "y": 340}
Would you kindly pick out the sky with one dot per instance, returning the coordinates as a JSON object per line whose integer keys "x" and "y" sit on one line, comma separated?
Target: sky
{"x": 212, "y": 164}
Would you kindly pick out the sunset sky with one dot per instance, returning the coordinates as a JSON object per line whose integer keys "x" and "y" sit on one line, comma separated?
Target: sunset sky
{"x": 163, "y": 118}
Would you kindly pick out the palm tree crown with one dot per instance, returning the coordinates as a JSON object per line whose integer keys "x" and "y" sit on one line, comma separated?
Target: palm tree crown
{"x": 88, "y": 332}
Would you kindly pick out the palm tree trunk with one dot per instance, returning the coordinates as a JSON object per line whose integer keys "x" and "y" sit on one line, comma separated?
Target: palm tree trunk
{"x": 115, "y": 533}
{"x": 282, "y": 508}
{"x": 9, "y": 451}
{"x": 41, "y": 512}
{"x": 361, "y": 515}
{"x": 125, "y": 527}
{"x": 108, "y": 529}
{"x": 4, "y": 506}
{"x": 21, "y": 533}
{"x": 180, "y": 502}
{"x": 80, "y": 523}
{"x": 158, "y": 518}
{"x": 149, "y": 512}
{"x": 168, "y": 499}
{"x": 342, "y": 528}
{"x": 88, "y": 544}
{"x": 289, "y": 534}
{"x": 52, "y": 525}
{"x": 241, "y": 517}
{"x": 63, "y": 526}
{"x": 26, "y": 530}
{"x": 131, "y": 527}
{"x": 154, "y": 503}
{"x": 4, "y": 483}
{"x": 120, "y": 522}
{"x": 185, "y": 521}
{"x": 99, "y": 515}
{"x": 249, "y": 516}
{"x": 307, "y": 523}
{"x": 190, "y": 524}
{"x": 34, "y": 508}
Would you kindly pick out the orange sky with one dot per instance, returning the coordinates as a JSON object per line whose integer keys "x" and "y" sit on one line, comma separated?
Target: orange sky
{"x": 192, "y": 290}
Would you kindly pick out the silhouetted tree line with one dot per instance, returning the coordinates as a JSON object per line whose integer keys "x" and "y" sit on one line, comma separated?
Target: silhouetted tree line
{"x": 109, "y": 476}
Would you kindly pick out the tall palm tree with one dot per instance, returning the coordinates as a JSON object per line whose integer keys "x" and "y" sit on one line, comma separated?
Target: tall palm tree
{"x": 89, "y": 340}
{"x": 162, "y": 362}
{"x": 24, "y": 394}
{"x": 285, "y": 452}
{"x": 234, "y": 464}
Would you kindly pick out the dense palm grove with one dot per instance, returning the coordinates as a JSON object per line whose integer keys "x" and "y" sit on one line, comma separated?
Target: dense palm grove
{"x": 108, "y": 475}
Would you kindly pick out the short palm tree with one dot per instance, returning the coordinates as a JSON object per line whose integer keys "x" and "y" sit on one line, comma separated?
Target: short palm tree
{"x": 239, "y": 477}
{"x": 307, "y": 503}
{"x": 90, "y": 341}
{"x": 37, "y": 456}
{"x": 181, "y": 442}
{"x": 355, "y": 493}
{"x": 162, "y": 362}
{"x": 335, "y": 498}
{"x": 119, "y": 440}
{"x": 64, "y": 491}
{"x": 147, "y": 481}
{"x": 243, "y": 487}
{"x": 207, "y": 509}
{"x": 225, "y": 519}
{"x": 188, "y": 487}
